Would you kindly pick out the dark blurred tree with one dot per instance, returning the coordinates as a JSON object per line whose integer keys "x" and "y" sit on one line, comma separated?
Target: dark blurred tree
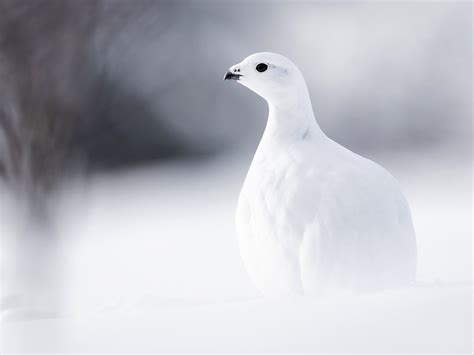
{"x": 60, "y": 111}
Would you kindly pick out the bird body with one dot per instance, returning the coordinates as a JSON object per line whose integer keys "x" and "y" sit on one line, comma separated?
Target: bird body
{"x": 313, "y": 216}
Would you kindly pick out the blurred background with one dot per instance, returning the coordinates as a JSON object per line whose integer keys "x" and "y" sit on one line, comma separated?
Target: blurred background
{"x": 122, "y": 151}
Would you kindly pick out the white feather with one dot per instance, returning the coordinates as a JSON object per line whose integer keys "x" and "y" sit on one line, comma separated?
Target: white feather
{"x": 313, "y": 215}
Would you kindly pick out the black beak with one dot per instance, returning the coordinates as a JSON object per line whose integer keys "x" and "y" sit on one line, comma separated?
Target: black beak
{"x": 231, "y": 76}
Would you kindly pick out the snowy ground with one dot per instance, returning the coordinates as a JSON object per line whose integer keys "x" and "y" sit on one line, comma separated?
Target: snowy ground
{"x": 149, "y": 263}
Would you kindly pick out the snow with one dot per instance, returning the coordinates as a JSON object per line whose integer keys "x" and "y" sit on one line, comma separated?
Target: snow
{"x": 151, "y": 264}
{"x": 425, "y": 320}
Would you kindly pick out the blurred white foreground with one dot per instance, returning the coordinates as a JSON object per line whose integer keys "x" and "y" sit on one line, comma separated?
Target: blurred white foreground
{"x": 149, "y": 262}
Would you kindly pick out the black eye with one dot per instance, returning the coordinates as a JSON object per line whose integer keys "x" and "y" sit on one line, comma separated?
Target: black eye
{"x": 261, "y": 67}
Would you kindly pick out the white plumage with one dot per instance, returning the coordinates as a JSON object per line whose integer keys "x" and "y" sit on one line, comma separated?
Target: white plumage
{"x": 313, "y": 215}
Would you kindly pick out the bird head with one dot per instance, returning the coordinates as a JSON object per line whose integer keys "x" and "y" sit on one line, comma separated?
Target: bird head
{"x": 270, "y": 75}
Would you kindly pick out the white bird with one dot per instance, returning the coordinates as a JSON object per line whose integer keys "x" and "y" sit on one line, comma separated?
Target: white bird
{"x": 313, "y": 216}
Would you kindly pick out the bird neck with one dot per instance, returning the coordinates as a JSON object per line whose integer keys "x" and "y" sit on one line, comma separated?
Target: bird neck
{"x": 293, "y": 120}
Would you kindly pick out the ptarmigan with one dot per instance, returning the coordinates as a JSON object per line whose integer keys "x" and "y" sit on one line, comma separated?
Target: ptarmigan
{"x": 313, "y": 216}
